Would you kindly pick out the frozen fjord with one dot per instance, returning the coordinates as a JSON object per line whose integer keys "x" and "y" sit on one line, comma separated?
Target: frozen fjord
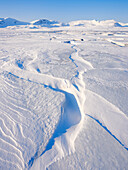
{"x": 64, "y": 97}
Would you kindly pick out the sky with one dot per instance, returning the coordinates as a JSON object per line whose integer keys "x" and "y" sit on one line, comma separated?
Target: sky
{"x": 65, "y": 10}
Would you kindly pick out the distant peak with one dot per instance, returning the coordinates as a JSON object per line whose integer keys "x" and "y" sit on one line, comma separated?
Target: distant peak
{"x": 44, "y": 22}
{"x": 4, "y": 22}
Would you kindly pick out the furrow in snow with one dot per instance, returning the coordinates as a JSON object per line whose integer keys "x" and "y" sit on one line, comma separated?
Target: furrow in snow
{"x": 64, "y": 145}
{"x": 107, "y": 115}
{"x": 69, "y": 90}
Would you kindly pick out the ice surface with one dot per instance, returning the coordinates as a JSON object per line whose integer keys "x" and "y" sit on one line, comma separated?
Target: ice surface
{"x": 64, "y": 93}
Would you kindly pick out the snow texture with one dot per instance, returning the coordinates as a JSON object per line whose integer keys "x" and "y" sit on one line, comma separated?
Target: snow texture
{"x": 64, "y": 94}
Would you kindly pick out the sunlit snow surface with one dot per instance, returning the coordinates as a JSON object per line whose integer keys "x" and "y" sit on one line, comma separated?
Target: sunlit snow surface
{"x": 63, "y": 97}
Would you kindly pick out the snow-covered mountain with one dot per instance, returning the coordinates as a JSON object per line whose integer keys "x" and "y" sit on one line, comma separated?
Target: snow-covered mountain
{"x": 48, "y": 23}
{"x": 90, "y": 23}
{"x": 44, "y": 22}
{"x": 4, "y": 22}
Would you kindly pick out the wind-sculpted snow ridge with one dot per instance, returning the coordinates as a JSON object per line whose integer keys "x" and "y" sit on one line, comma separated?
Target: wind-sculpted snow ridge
{"x": 70, "y": 125}
{"x": 88, "y": 102}
{"x": 120, "y": 44}
{"x": 19, "y": 117}
{"x": 108, "y": 116}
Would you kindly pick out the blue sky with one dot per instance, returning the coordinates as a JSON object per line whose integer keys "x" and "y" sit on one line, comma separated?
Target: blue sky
{"x": 65, "y": 10}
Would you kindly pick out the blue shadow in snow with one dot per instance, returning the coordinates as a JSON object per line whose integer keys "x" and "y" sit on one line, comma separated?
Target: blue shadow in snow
{"x": 38, "y": 70}
{"x": 70, "y": 116}
{"x": 20, "y": 64}
{"x": 70, "y": 57}
{"x": 108, "y": 131}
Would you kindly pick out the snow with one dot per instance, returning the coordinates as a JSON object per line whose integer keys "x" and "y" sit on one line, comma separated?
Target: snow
{"x": 64, "y": 94}
{"x": 46, "y": 23}
{"x": 4, "y": 22}
{"x": 95, "y": 149}
{"x": 94, "y": 23}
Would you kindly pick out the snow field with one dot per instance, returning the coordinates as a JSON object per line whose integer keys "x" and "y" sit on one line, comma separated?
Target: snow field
{"x": 54, "y": 82}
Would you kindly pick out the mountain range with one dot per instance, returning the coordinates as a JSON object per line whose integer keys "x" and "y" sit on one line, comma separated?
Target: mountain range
{"x": 5, "y": 22}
